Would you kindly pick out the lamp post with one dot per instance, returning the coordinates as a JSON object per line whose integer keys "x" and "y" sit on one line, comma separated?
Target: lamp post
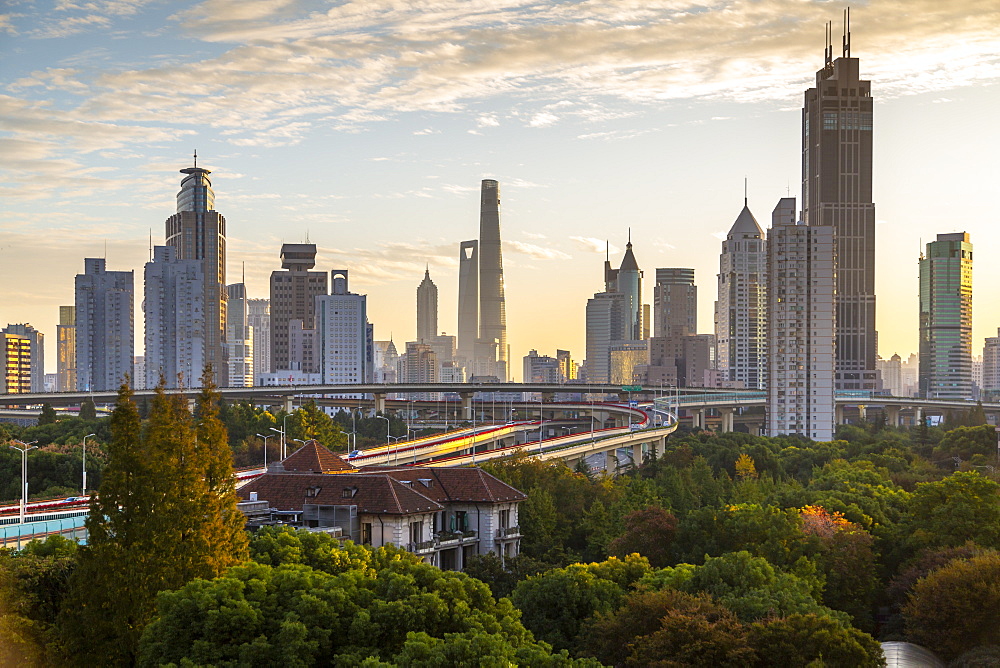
{"x": 284, "y": 427}
{"x": 24, "y": 472}
{"x": 265, "y": 447}
{"x": 382, "y": 417}
{"x": 84, "y": 492}
{"x": 541, "y": 420}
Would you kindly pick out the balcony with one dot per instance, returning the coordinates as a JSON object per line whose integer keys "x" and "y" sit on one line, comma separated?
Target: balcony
{"x": 442, "y": 540}
{"x": 423, "y": 547}
{"x": 509, "y": 532}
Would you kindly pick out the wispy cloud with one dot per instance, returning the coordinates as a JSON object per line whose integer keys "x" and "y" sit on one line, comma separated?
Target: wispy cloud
{"x": 536, "y": 252}
{"x": 595, "y": 245}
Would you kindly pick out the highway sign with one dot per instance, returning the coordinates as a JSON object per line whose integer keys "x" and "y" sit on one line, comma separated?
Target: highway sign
{"x": 631, "y": 388}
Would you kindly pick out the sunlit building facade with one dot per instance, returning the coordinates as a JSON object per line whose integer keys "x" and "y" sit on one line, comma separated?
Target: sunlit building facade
{"x": 946, "y": 318}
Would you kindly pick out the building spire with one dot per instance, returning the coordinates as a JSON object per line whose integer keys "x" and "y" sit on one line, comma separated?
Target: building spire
{"x": 196, "y": 158}
{"x": 744, "y": 191}
{"x": 847, "y": 33}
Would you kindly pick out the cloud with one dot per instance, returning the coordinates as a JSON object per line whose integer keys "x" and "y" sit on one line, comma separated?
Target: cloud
{"x": 721, "y": 235}
{"x": 488, "y": 121}
{"x": 595, "y": 245}
{"x": 542, "y": 119}
{"x": 536, "y": 252}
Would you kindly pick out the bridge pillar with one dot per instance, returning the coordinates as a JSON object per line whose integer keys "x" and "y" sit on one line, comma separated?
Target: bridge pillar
{"x": 610, "y": 461}
{"x": 862, "y": 412}
{"x": 727, "y": 419}
{"x": 467, "y": 405}
{"x": 379, "y": 403}
{"x": 637, "y": 454}
{"x": 699, "y": 418}
{"x": 892, "y": 415}
{"x": 839, "y": 413}
{"x": 288, "y": 403}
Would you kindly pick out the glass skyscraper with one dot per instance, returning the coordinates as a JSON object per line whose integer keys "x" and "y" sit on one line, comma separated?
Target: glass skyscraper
{"x": 946, "y": 318}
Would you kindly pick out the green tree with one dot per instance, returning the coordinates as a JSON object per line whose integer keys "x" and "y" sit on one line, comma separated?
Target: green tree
{"x": 88, "y": 410}
{"x": 310, "y": 422}
{"x": 957, "y": 607}
{"x": 800, "y": 640}
{"x": 648, "y": 532}
{"x": 947, "y": 513}
{"x": 48, "y": 414}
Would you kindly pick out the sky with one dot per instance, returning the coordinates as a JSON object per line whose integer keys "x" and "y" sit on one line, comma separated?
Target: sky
{"x": 366, "y": 127}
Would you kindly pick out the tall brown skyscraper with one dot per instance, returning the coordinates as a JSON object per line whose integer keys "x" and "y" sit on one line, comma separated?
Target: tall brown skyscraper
{"x": 427, "y": 309}
{"x": 293, "y": 297}
{"x": 198, "y": 232}
{"x": 492, "y": 307}
{"x": 837, "y": 192}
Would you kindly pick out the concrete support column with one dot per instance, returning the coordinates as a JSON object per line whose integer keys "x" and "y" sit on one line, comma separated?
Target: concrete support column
{"x": 727, "y": 419}
{"x": 699, "y": 418}
{"x": 839, "y": 413}
{"x": 637, "y": 454}
{"x": 379, "y": 403}
{"x": 892, "y": 415}
{"x": 288, "y": 403}
{"x": 467, "y": 405}
{"x": 610, "y": 461}
{"x": 862, "y": 412}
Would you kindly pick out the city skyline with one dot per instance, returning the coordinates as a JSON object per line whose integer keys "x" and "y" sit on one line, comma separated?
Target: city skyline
{"x": 657, "y": 150}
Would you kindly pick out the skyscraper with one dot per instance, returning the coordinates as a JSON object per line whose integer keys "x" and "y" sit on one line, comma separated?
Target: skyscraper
{"x": 675, "y": 302}
{"x": 991, "y": 368}
{"x": 837, "y": 193}
{"x": 343, "y": 334}
{"x": 66, "y": 350}
{"x": 468, "y": 302}
{"x": 801, "y": 277}
{"x": 629, "y": 282}
{"x": 104, "y": 326}
{"x": 293, "y": 297}
{"x": 259, "y": 320}
{"x": 740, "y": 312}
{"x": 37, "y": 340}
{"x": 492, "y": 306}
{"x": 16, "y": 363}
{"x": 174, "y": 309}
{"x": 946, "y": 318}
{"x": 614, "y": 316}
{"x": 197, "y": 232}
{"x": 427, "y": 309}
{"x": 239, "y": 337}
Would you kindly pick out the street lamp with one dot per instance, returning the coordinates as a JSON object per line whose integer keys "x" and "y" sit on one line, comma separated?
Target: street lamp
{"x": 541, "y": 420}
{"x": 84, "y": 492}
{"x": 299, "y": 440}
{"x": 382, "y": 417}
{"x": 265, "y": 447}
{"x": 24, "y": 472}
{"x": 284, "y": 427}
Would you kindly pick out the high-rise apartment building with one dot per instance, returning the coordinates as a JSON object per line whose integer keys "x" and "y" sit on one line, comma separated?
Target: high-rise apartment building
{"x": 892, "y": 375}
{"x": 837, "y": 193}
{"x": 343, "y": 334}
{"x": 37, "y": 340}
{"x": 66, "y": 350}
{"x": 541, "y": 369}
{"x": 293, "y": 297}
{"x": 991, "y": 368}
{"x": 105, "y": 326}
{"x": 946, "y": 318}
{"x": 427, "y": 309}
{"x": 239, "y": 336}
{"x": 197, "y": 232}
{"x": 740, "y": 311}
{"x": 482, "y": 314}
{"x": 801, "y": 280}
{"x": 176, "y": 337}
{"x": 259, "y": 322}
{"x": 675, "y": 302}
{"x": 17, "y": 363}
{"x": 419, "y": 364}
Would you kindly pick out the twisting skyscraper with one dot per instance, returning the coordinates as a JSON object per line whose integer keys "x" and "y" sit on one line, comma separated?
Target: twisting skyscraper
{"x": 198, "y": 232}
{"x": 837, "y": 192}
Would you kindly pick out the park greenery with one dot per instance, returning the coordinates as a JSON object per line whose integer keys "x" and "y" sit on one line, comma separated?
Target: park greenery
{"x": 726, "y": 550}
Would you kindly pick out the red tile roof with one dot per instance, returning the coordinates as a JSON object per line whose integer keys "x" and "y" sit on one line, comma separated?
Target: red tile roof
{"x": 459, "y": 484}
{"x": 372, "y": 494}
{"x": 314, "y": 458}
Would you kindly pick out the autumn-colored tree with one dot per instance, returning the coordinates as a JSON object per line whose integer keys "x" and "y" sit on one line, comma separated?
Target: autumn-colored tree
{"x": 648, "y": 532}
{"x": 745, "y": 468}
{"x": 957, "y": 607}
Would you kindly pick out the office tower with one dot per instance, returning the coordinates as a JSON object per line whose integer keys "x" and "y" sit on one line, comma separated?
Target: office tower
{"x": 139, "y": 375}
{"x": 451, "y": 372}
{"x": 17, "y": 363}
{"x": 977, "y": 378}
{"x": 342, "y": 334}
{"x": 468, "y": 301}
{"x": 740, "y": 315}
{"x": 629, "y": 283}
{"x": 427, "y": 309}
{"x": 991, "y": 368}
{"x": 566, "y": 364}
{"x": 607, "y": 322}
{"x": 105, "y": 326}
{"x": 66, "y": 350}
{"x": 675, "y": 302}
{"x": 197, "y": 232}
{"x": 445, "y": 347}
{"x": 386, "y": 362}
{"x": 892, "y": 375}
{"x": 37, "y": 340}
{"x": 837, "y": 193}
{"x": 492, "y": 307}
{"x": 623, "y": 358}
{"x": 801, "y": 280}
{"x": 946, "y": 318}
{"x": 293, "y": 297}
{"x": 176, "y": 338}
{"x": 259, "y": 321}
{"x": 239, "y": 337}
{"x": 419, "y": 364}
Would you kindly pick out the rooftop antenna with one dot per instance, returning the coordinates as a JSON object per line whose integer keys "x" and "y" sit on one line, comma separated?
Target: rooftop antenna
{"x": 828, "y": 51}
{"x": 151, "y": 244}
{"x": 607, "y": 251}
{"x": 244, "y": 277}
{"x": 196, "y": 158}
{"x": 630, "y": 236}
{"x": 307, "y": 236}
{"x": 847, "y": 33}
{"x": 105, "y": 249}
{"x": 744, "y": 191}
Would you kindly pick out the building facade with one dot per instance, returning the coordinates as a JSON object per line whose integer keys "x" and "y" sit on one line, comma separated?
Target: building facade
{"x": 837, "y": 193}
{"x": 239, "y": 337}
{"x": 259, "y": 322}
{"x": 37, "y": 340}
{"x": 343, "y": 334}
{"x": 17, "y": 363}
{"x": 293, "y": 297}
{"x": 991, "y": 368}
{"x": 174, "y": 310}
{"x": 105, "y": 326}
{"x": 741, "y": 308}
{"x": 66, "y": 350}
{"x": 197, "y": 233}
{"x": 801, "y": 279}
{"x": 946, "y": 318}
{"x": 675, "y": 302}
{"x": 427, "y": 309}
